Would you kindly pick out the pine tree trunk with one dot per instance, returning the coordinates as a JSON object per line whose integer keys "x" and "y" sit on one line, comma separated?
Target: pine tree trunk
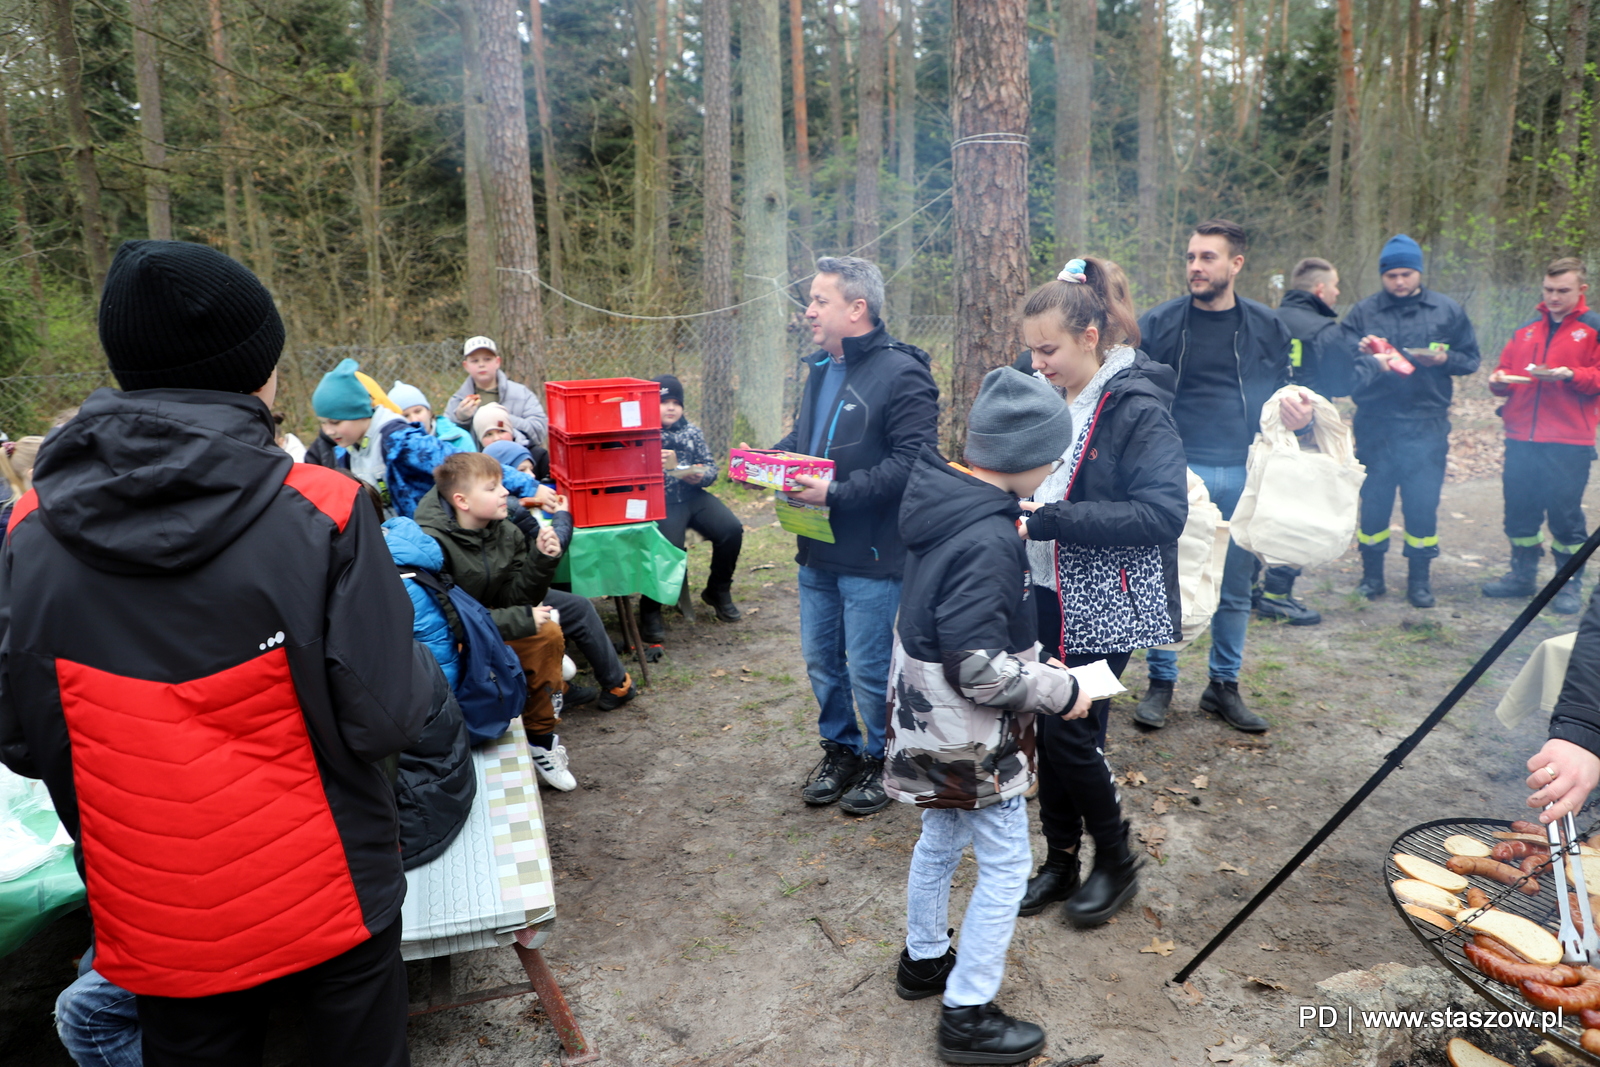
{"x": 1149, "y": 116}
{"x": 1500, "y": 104}
{"x": 373, "y": 224}
{"x": 1568, "y": 224}
{"x": 765, "y": 219}
{"x": 989, "y": 100}
{"x": 483, "y": 305}
{"x": 516, "y": 233}
{"x": 802, "y": 126}
{"x": 869, "y": 139}
{"x": 19, "y": 209}
{"x": 223, "y": 81}
{"x": 641, "y": 73}
{"x": 906, "y": 157}
{"x": 555, "y": 223}
{"x": 661, "y": 213}
{"x": 716, "y": 382}
{"x": 1074, "y": 55}
{"x": 836, "y": 125}
{"x": 97, "y": 258}
{"x": 152, "y": 130}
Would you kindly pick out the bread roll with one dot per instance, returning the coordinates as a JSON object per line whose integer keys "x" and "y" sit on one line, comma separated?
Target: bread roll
{"x": 1462, "y": 845}
{"x": 1432, "y": 918}
{"x": 1424, "y": 871}
{"x": 1526, "y": 938}
{"x": 1465, "y": 1054}
{"x": 1413, "y": 891}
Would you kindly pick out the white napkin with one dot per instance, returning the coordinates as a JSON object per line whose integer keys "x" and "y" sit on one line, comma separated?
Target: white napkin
{"x": 1097, "y": 680}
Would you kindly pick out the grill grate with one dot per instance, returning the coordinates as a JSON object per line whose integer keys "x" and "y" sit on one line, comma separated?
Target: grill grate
{"x": 1427, "y": 842}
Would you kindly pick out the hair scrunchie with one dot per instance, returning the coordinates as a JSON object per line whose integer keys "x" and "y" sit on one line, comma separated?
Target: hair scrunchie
{"x": 1074, "y": 271}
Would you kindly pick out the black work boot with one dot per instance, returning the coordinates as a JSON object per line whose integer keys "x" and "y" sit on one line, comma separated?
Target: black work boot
{"x": 720, "y": 599}
{"x": 652, "y": 631}
{"x": 983, "y": 1033}
{"x": 1372, "y": 586}
{"x": 1277, "y": 601}
{"x": 1522, "y": 579}
{"x": 1153, "y": 708}
{"x": 835, "y": 772}
{"x": 1418, "y": 590}
{"x": 867, "y": 795}
{"x": 1057, "y": 880}
{"x": 1112, "y": 883}
{"x": 1222, "y": 698}
{"x": 916, "y": 979}
{"x": 1570, "y": 600}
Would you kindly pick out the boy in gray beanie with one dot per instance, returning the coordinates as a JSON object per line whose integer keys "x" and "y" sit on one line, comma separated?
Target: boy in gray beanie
{"x": 966, "y": 681}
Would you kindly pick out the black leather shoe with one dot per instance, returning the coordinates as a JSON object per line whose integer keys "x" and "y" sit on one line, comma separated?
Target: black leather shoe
{"x": 721, "y": 601}
{"x": 652, "y": 630}
{"x": 835, "y": 772}
{"x": 1286, "y": 609}
{"x": 867, "y": 795}
{"x": 918, "y": 979}
{"x": 1372, "y": 586}
{"x": 985, "y": 1034}
{"x": 1057, "y": 880}
{"x": 1418, "y": 590}
{"x": 1222, "y": 698}
{"x": 1112, "y": 883}
{"x": 1153, "y": 708}
{"x": 1570, "y": 600}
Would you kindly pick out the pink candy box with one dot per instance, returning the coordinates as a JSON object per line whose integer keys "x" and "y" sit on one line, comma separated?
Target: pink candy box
{"x": 775, "y": 470}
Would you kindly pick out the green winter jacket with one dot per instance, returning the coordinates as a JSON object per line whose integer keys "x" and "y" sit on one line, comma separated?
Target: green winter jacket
{"x": 497, "y": 566}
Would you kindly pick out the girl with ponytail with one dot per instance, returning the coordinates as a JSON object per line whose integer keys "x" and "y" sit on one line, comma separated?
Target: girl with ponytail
{"x": 1102, "y": 548}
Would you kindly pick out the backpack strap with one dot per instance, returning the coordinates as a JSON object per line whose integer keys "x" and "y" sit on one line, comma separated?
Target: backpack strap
{"x": 439, "y": 585}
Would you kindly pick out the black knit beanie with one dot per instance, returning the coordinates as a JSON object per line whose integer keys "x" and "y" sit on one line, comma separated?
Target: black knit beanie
{"x": 176, "y": 315}
{"x": 671, "y": 388}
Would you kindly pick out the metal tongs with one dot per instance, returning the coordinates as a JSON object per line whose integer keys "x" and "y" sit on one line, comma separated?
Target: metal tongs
{"x": 1574, "y": 949}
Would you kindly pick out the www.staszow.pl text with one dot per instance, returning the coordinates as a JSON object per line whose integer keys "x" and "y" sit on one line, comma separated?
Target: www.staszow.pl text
{"x": 1326, "y": 1017}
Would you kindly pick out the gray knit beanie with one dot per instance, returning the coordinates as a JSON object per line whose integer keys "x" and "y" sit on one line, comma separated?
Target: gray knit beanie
{"x": 1017, "y": 423}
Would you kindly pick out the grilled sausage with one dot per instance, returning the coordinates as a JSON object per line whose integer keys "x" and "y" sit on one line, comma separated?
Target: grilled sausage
{"x": 1501, "y": 964}
{"x": 1572, "y": 999}
{"x": 1486, "y": 867}
{"x": 1516, "y": 851}
{"x": 1477, "y": 898}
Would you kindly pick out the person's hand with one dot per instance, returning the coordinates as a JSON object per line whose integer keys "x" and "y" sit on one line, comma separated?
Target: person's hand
{"x": 693, "y": 476}
{"x": 1029, "y": 505}
{"x": 1369, "y": 344}
{"x": 541, "y": 614}
{"x": 1430, "y": 358}
{"x": 548, "y": 543}
{"x": 1296, "y": 411}
{"x": 1557, "y": 374}
{"x": 1562, "y": 773}
{"x": 814, "y": 491}
{"x": 669, "y": 459}
{"x": 1080, "y": 708}
{"x": 545, "y": 498}
{"x": 1498, "y": 377}
{"x": 468, "y": 405}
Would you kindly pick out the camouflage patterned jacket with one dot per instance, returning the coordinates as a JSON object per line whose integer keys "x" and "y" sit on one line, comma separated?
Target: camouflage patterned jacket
{"x": 964, "y": 681}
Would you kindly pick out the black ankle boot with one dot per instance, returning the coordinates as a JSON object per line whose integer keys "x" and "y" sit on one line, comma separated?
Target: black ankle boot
{"x": 1372, "y": 586}
{"x": 1570, "y": 600}
{"x": 1419, "y": 591}
{"x": 916, "y": 979}
{"x": 652, "y": 631}
{"x": 1112, "y": 883}
{"x": 1057, "y": 880}
{"x": 985, "y": 1034}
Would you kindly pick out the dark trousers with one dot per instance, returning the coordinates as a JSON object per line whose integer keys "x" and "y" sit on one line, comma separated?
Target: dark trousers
{"x": 1405, "y": 456}
{"x": 711, "y": 519}
{"x": 1077, "y": 790}
{"x": 1545, "y": 483}
{"x": 354, "y": 1007}
{"x": 581, "y": 626}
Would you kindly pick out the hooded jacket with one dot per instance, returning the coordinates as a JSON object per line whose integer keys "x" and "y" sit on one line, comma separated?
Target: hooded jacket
{"x": 497, "y": 566}
{"x": 886, "y": 411}
{"x": 685, "y": 438}
{"x": 965, "y": 679}
{"x": 1260, "y": 350}
{"x": 204, "y": 651}
{"x": 1125, "y": 508}
{"x": 410, "y": 547}
{"x": 436, "y": 781}
{"x": 1310, "y": 322}
{"x": 1419, "y": 321}
{"x": 528, "y": 416}
{"x": 1553, "y": 412}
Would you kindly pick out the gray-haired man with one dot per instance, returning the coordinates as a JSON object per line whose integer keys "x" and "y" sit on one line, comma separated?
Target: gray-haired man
{"x": 870, "y": 404}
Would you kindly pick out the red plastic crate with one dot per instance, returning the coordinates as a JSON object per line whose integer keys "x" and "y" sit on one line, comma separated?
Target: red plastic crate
{"x": 630, "y": 456}
{"x": 612, "y": 504}
{"x": 603, "y": 405}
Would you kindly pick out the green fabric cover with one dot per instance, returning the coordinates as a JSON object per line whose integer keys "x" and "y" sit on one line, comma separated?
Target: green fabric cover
{"x": 623, "y": 560}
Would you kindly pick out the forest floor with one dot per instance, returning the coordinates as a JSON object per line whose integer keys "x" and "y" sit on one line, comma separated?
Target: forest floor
{"x": 708, "y": 917}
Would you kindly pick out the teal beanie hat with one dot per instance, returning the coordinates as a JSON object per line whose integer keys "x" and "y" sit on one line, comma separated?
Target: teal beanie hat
{"x": 340, "y": 395}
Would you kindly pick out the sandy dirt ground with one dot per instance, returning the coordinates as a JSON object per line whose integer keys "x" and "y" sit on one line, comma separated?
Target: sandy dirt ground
{"x": 707, "y": 917}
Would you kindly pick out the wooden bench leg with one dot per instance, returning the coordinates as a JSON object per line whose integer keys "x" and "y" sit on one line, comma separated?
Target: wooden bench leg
{"x": 555, "y": 1006}
{"x": 630, "y": 634}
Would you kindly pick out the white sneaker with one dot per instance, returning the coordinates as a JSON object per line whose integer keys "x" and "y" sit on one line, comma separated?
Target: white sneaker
{"x": 552, "y": 765}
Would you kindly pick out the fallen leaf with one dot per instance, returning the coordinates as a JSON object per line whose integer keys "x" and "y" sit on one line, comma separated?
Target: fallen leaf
{"x": 1149, "y": 913}
{"x": 1234, "y": 1049}
{"x": 1134, "y": 778}
{"x": 1200, "y": 781}
{"x": 1232, "y": 868}
{"x": 719, "y": 673}
{"x": 1178, "y": 790}
{"x": 1153, "y": 834}
{"x": 1159, "y": 806}
{"x": 1269, "y": 983}
{"x": 1457, "y": 515}
{"x": 1193, "y": 995}
{"x": 1159, "y": 947}
{"x": 1267, "y": 947}
{"x": 747, "y": 670}
{"x": 728, "y": 727}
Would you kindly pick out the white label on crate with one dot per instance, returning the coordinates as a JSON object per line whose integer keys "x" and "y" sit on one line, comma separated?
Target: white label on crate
{"x": 637, "y": 508}
{"x": 630, "y": 416}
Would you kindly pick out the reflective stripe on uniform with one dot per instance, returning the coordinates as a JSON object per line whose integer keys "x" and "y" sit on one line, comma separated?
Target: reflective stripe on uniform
{"x": 1565, "y": 550}
{"x": 1372, "y": 539}
{"x": 1530, "y": 542}
{"x": 1422, "y": 542}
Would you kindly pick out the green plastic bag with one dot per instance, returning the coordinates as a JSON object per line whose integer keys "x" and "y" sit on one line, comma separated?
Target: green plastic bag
{"x": 623, "y": 560}
{"x": 30, "y": 903}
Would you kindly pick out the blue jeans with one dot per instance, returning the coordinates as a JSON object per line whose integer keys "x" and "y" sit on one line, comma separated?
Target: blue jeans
{"x": 98, "y": 1022}
{"x": 998, "y": 835}
{"x": 846, "y": 636}
{"x": 1228, "y": 625}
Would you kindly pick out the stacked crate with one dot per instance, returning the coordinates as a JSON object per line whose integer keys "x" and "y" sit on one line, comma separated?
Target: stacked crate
{"x": 605, "y": 449}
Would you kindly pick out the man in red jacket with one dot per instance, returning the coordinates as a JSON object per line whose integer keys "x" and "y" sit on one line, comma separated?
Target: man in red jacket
{"x": 205, "y": 651}
{"x": 1549, "y": 374}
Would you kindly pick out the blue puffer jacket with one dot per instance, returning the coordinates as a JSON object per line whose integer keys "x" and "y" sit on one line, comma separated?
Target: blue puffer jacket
{"x": 410, "y": 547}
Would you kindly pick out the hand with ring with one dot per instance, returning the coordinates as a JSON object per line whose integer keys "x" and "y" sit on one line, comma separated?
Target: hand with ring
{"x": 1563, "y": 774}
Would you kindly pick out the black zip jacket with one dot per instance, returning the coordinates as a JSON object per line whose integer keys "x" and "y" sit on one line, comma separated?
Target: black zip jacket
{"x": 436, "y": 781}
{"x": 1576, "y": 717}
{"x": 1132, "y": 486}
{"x": 887, "y": 409}
{"x": 1310, "y": 323}
{"x": 1260, "y": 349}
{"x": 1415, "y": 322}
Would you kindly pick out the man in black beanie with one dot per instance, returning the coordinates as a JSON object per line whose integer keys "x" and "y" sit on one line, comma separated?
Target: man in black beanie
{"x": 210, "y": 733}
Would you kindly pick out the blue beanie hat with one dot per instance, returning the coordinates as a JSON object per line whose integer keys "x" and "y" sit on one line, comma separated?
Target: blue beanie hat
{"x": 406, "y": 396}
{"x": 1400, "y": 253}
{"x": 340, "y": 395}
{"x": 507, "y": 453}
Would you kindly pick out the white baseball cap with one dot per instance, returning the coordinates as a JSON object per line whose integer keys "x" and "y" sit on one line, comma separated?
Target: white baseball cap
{"x": 475, "y": 343}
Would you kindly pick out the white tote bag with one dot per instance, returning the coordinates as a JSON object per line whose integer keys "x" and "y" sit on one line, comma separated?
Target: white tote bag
{"x": 1299, "y": 507}
{"x": 1202, "y": 553}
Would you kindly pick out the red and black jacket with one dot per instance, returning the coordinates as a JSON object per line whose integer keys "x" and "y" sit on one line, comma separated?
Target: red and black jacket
{"x": 204, "y": 651}
{"x": 1553, "y": 412}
